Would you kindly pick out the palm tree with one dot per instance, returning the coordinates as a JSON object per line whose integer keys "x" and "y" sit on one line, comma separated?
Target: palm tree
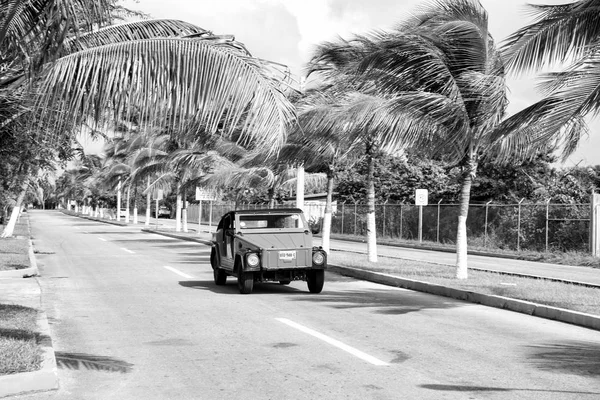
{"x": 165, "y": 73}
{"x": 435, "y": 83}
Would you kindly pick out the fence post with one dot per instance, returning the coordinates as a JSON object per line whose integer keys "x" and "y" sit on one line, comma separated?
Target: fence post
{"x": 519, "y": 227}
{"x": 485, "y": 235}
{"x": 438, "y": 222}
{"x": 343, "y": 212}
{"x": 383, "y": 231}
{"x": 400, "y": 236}
{"x": 355, "y": 216}
{"x": 547, "y": 219}
{"x": 594, "y": 225}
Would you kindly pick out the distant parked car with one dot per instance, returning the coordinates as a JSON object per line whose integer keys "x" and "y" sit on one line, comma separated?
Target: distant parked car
{"x": 163, "y": 212}
{"x": 267, "y": 245}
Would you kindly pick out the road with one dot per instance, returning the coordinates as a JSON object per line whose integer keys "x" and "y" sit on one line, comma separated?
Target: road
{"x": 136, "y": 316}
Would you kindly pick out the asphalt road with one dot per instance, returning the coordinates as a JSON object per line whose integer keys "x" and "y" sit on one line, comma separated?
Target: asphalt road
{"x": 136, "y": 316}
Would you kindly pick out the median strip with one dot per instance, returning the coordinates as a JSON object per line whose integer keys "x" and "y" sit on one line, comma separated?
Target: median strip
{"x": 333, "y": 342}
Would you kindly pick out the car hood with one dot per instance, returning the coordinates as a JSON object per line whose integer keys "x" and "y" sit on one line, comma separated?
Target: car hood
{"x": 279, "y": 240}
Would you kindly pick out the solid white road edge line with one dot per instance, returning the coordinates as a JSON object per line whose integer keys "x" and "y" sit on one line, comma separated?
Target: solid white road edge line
{"x": 127, "y": 250}
{"x": 333, "y": 342}
{"x": 179, "y": 272}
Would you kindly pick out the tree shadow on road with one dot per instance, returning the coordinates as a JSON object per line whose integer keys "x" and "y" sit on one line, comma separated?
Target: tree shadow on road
{"x": 574, "y": 357}
{"x": 79, "y": 361}
{"x": 480, "y": 389}
{"x": 383, "y": 301}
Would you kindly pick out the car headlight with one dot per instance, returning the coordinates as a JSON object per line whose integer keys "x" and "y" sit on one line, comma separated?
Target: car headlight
{"x": 318, "y": 258}
{"x": 252, "y": 260}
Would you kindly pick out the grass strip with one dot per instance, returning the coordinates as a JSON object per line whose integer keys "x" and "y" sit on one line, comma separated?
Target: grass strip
{"x": 541, "y": 291}
{"x": 19, "y": 350}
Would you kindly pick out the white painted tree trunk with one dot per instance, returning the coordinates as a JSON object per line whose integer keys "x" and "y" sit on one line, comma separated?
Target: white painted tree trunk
{"x": 461, "y": 232}
{"x": 178, "y": 211}
{"x": 184, "y": 215}
{"x": 300, "y": 187}
{"x": 326, "y": 229}
{"x": 371, "y": 224}
{"x": 461, "y": 249}
{"x": 119, "y": 200}
{"x": 148, "y": 205}
{"x": 128, "y": 202}
{"x": 16, "y": 211}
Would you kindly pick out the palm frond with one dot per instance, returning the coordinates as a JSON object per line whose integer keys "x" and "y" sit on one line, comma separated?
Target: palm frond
{"x": 558, "y": 33}
{"x": 228, "y": 94}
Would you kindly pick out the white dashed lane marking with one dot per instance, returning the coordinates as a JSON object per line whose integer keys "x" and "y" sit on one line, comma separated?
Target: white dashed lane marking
{"x": 333, "y": 342}
{"x": 104, "y": 240}
{"x": 127, "y": 250}
{"x": 178, "y": 272}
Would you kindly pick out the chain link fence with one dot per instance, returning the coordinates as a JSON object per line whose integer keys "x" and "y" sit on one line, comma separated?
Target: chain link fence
{"x": 534, "y": 227}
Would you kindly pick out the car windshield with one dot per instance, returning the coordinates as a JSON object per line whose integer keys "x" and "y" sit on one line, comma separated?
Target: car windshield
{"x": 292, "y": 220}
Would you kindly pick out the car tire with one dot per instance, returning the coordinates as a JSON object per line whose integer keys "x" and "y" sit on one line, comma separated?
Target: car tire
{"x": 286, "y": 282}
{"x": 245, "y": 282}
{"x": 219, "y": 275}
{"x": 315, "y": 280}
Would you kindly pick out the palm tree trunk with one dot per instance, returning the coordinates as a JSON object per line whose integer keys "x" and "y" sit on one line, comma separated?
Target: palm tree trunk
{"x": 127, "y": 205}
{"x": 326, "y": 232}
{"x": 300, "y": 187}
{"x": 12, "y": 222}
{"x": 461, "y": 234}
{"x": 184, "y": 212}
{"x": 119, "y": 200}
{"x": 135, "y": 208}
{"x": 272, "y": 197}
{"x": 178, "y": 210}
{"x": 148, "y": 205}
{"x": 371, "y": 226}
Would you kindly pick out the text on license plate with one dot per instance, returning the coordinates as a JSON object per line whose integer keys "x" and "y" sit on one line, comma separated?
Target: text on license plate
{"x": 287, "y": 255}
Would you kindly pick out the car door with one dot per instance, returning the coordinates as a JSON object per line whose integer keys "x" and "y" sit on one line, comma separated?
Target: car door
{"x": 226, "y": 250}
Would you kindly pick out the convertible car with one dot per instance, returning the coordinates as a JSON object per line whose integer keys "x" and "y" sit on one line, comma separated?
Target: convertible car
{"x": 266, "y": 245}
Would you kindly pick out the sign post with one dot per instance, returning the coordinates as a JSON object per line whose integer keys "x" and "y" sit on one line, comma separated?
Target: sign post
{"x": 201, "y": 195}
{"x": 421, "y": 199}
{"x": 595, "y": 225}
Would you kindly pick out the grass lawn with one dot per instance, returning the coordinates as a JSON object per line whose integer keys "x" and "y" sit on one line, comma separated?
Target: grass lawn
{"x": 14, "y": 250}
{"x": 555, "y": 294}
{"x": 19, "y": 350}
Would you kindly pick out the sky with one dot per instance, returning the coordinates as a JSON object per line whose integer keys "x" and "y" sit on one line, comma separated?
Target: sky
{"x": 287, "y": 31}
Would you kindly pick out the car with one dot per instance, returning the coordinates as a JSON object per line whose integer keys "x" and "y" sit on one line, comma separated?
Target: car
{"x": 266, "y": 245}
{"x": 163, "y": 211}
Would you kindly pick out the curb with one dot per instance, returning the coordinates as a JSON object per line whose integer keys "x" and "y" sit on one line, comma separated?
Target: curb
{"x": 44, "y": 379}
{"x": 104, "y": 220}
{"x": 505, "y": 303}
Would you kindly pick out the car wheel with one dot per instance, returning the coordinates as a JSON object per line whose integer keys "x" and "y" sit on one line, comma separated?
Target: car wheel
{"x": 315, "y": 280}
{"x": 286, "y": 282}
{"x": 245, "y": 282}
{"x": 219, "y": 275}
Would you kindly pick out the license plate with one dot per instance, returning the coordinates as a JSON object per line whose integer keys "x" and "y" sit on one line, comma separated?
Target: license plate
{"x": 287, "y": 255}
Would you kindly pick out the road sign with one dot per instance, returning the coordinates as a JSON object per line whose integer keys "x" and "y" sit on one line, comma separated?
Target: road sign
{"x": 204, "y": 194}
{"x": 157, "y": 194}
{"x": 421, "y": 197}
